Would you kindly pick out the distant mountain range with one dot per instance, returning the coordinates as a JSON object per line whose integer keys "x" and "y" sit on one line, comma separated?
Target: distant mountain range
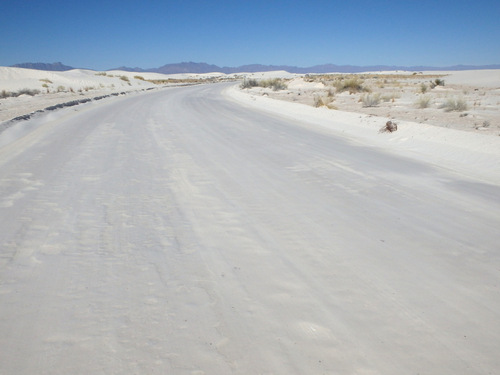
{"x": 192, "y": 67}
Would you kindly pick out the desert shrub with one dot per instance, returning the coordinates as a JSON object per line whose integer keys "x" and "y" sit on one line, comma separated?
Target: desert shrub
{"x": 140, "y": 78}
{"x": 104, "y": 74}
{"x": 457, "y": 105}
{"x": 249, "y": 83}
{"x": 351, "y": 84}
{"x": 30, "y": 92}
{"x": 370, "y": 100}
{"x": 274, "y": 83}
{"x": 423, "y": 88}
{"x": 322, "y": 101}
{"x": 124, "y": 78}
{"x": 423, "y": 101}
{"x": 60, "y": 88}
{"x": 45, "y": 80}
{"x": 437, "y": 82}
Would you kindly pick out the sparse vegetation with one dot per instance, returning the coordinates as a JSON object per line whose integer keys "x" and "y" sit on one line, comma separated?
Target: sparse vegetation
{"x": 139, "y": 78}
{"x": 454, "y": 105}
{"x": 437, "y": 82}
{"x": 104, "y": 74}
{"x": 423, "y": 88}
{"x": 352, "y": 84}
{"x": 275, "y": 83}
{"x": 124, "y": 78}
{"x": 29, "y": 92}
{"x": 45, "y": 80}
{"x": 423, "y": 101}
{"x": 390, "y": 98}
{"x": 249, "y": 83}
{"x": 322, "y": 101}
{"x": 9, "y": 94}
{"x": 370, "y": 100}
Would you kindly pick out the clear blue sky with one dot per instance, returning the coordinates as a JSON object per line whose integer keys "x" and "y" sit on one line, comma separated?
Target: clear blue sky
{"x": 109, "y": 33}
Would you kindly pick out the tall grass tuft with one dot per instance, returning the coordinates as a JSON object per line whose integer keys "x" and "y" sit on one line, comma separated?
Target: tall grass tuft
{"x": 370, "y": 100}
{"x": 423, "y": 101}
{"x": 454, "y": 105}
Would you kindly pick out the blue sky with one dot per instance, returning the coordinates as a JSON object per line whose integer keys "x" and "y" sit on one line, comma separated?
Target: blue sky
{"x": 106, "y": 34}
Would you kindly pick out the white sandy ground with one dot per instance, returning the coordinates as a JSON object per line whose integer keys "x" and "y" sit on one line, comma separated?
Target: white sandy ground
{"x": 400, "y": 94}
{"x": 72, "y": 85}
{"x": 475, "y": 154}
{"x": 202, "y": 230}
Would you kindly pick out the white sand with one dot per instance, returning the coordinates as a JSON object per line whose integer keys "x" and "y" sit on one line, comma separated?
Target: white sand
{"x": 175, "y": 232}
{"x": 400, "y": 96}
{"x": 60, "y": 87}
{"x": 474, "y": 153}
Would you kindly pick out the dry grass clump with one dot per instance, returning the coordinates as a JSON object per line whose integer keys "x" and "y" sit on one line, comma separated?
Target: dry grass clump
{"x": 14, "y": 94}
{"x": 370, "y": 100}
{"x": 423, "y": 101}
{"x": 324, "y": 101}
{"x": 352, "y": 84}
{"x": 456, "y": 105}
{"x": 274, "y": 83}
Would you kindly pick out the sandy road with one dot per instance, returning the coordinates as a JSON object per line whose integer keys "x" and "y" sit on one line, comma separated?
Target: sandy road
{"x": 176, "y": 232}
